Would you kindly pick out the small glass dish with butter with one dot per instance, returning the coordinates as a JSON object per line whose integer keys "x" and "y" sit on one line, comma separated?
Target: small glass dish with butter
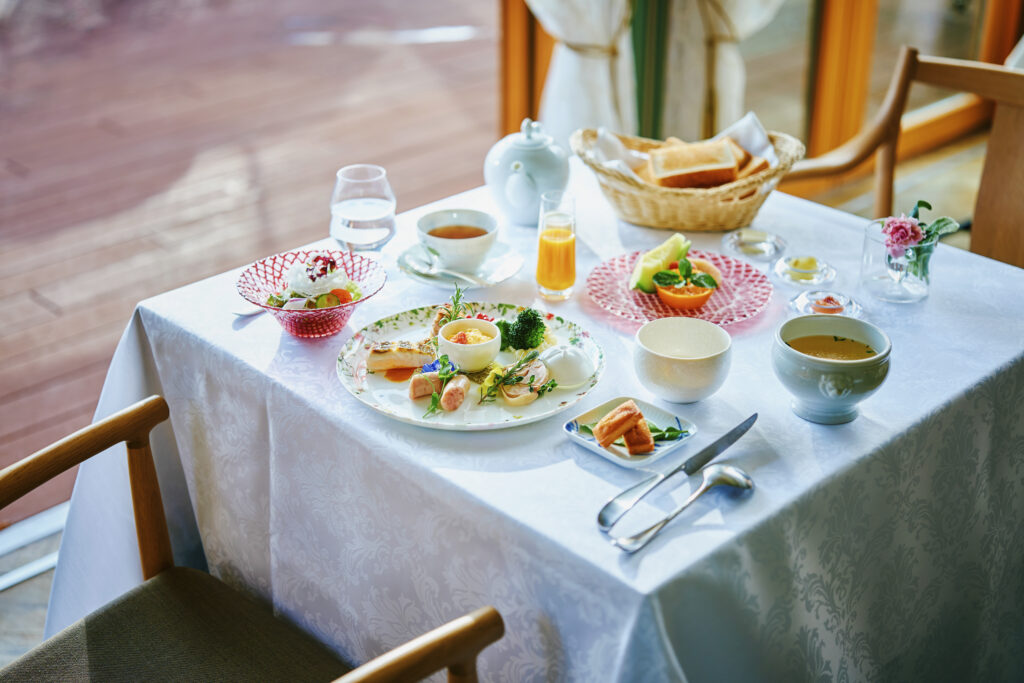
{"x": 803, "y": 271}
{"x": 756, "y": 245}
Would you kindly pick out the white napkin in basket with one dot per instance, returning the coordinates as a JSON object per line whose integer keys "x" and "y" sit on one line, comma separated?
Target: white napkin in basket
{"x": 751, "y": 136}
{"x": 748, "y": 132}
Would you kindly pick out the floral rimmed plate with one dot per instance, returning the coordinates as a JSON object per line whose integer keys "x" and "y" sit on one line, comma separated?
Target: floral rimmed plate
{"x": 744, "y": 293}
{"x": 618, "y": 453}
{"x": 392, "y": 398}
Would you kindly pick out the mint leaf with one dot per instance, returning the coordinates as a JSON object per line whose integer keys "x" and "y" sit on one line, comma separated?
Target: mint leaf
{"x": 666, "y": 278}
{"x": 685, "y": 268}
{"x": 704, "y": 280}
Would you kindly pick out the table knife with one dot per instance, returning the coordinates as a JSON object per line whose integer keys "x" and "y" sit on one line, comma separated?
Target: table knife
{"x": 615, "y": 508}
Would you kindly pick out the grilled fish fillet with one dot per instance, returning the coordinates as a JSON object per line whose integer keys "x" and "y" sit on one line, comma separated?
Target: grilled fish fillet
{"x": 398, "y": 354}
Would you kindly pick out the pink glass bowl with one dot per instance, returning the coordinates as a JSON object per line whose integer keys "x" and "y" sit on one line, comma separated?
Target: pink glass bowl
{"x": 266, "y": 277}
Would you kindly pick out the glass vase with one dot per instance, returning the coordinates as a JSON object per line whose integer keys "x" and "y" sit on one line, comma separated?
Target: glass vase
{"x": 899, "y": 279}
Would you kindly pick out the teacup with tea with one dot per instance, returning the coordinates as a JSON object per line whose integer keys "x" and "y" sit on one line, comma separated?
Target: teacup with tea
{"x": 459, "y": 238}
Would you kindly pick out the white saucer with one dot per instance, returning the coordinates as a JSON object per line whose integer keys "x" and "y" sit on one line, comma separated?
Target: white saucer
{"x": 501, "y": 263}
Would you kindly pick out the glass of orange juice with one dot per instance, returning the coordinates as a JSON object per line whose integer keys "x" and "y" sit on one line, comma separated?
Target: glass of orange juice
{"x": 556, "y": 245}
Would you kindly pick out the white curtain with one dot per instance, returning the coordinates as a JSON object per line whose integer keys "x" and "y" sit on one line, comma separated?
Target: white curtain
{"x": 691, "y": 110}
{"x": 591, "y": 81}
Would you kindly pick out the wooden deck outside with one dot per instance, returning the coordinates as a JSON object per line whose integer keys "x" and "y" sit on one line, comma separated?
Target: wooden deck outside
{"x": 159, "y": 148}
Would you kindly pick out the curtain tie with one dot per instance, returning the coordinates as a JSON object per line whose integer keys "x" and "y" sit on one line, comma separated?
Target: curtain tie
{"x": 609, "y": 52}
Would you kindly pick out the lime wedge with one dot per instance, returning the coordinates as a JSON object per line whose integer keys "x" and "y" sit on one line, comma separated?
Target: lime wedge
{"x": 672, "y": 249}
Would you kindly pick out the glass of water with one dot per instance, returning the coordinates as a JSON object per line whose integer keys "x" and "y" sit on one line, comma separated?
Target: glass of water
{"x": 362, "y": 207}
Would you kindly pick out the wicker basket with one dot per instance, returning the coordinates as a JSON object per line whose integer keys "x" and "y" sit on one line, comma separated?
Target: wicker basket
{"x": 725, "y": 207}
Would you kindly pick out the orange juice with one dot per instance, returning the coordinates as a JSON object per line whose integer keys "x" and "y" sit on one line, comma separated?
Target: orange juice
{"x": 556, "y": 255}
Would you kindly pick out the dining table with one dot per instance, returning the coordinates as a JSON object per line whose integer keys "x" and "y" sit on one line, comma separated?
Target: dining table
{"x": 887, "y": 548}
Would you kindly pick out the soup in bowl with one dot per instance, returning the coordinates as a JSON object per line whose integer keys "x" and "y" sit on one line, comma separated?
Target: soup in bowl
{"x": 460, "y": 238}
{"x": 830, "y": 363}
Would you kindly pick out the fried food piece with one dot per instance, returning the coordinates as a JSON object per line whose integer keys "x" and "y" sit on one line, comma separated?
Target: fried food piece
{"x": 387, "y": 355}
{"x": 616, "y": 423}
{"x": 638, "y": 439}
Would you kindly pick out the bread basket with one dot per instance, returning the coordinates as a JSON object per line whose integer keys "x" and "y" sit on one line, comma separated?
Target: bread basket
{"x": 725, "y": 207}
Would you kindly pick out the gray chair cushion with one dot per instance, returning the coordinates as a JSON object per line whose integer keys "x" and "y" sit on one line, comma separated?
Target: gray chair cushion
{"x": 180, "y": 625}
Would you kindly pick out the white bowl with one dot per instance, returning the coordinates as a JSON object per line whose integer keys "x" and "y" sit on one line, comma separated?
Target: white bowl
{"x": 682, "y": 360}
{"x": 469, "y": 357}
{"x": 465, "y": 254}
{"x": 828, "y": 391}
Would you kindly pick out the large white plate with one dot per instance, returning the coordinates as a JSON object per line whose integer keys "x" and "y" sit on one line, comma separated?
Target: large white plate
{"x": 392, "y": 398}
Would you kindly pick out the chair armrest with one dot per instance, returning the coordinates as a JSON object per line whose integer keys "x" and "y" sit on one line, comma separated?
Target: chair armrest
{"x": 132, "y": 424}
{"x": 454, "y": 645}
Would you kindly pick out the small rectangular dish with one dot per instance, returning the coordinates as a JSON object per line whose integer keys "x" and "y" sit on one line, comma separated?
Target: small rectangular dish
{"x": 617, "y": 452}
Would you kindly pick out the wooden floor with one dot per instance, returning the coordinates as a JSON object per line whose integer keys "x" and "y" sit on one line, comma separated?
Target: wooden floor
{"x": 157, "y": 149}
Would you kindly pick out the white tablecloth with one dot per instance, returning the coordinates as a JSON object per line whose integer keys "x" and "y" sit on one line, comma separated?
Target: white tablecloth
{"x": 887, "y": 548}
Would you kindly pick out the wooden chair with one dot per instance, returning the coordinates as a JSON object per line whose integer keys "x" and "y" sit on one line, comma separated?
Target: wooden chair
{"x": 184, "y": 624}
{"x": 997, "y": 230}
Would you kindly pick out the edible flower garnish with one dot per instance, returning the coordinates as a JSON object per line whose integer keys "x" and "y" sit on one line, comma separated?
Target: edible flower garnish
{"x": 446, "y": 370}
{"x": 435, "y": 365}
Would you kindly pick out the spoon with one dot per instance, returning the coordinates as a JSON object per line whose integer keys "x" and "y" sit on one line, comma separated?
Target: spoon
{"x": 431, "y": 268}
{"x": 714, "y": 475}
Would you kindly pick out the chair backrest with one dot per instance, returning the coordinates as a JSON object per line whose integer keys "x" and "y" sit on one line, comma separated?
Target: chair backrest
{"x": 131, "y": 426}
{"x": 997, "y": 229}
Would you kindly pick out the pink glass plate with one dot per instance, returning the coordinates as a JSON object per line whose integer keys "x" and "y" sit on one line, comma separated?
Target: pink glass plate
{"x": 267, "y": 277}
{"x": 743, "y": 294}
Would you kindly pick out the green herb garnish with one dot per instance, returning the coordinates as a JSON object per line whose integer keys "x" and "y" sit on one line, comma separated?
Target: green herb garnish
{"x": 657, "y": 433}
{"x": 667, "y": 278}
{"x": 507, "y": 378}
{"x": 455, "y": 311}
{"x": 445, "y": 373}
{"x": 703, "y": 280}
{"x": 543, "y": 388}
{"x": 683, "y": 276}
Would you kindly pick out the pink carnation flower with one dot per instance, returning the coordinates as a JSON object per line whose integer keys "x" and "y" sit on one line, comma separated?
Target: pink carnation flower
{"x": 901, "y": 232}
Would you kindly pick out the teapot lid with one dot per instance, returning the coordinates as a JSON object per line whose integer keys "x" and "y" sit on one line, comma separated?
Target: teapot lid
{"x": 531, "y": 134}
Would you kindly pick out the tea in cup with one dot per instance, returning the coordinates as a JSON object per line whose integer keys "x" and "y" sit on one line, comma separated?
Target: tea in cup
{"x": 459, "y": 238}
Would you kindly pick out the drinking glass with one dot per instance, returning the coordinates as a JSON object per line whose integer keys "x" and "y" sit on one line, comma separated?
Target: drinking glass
{"x": 556, "y": 245}
{"x": 362, "y": 207}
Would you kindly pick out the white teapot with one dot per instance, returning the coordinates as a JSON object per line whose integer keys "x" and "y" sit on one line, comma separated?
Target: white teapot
{"x": 522, "y": 166}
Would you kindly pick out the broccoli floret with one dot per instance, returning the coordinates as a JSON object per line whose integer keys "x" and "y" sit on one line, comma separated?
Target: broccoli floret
{"x": 527, "y": 332}
{"x": 503, "y": 326}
